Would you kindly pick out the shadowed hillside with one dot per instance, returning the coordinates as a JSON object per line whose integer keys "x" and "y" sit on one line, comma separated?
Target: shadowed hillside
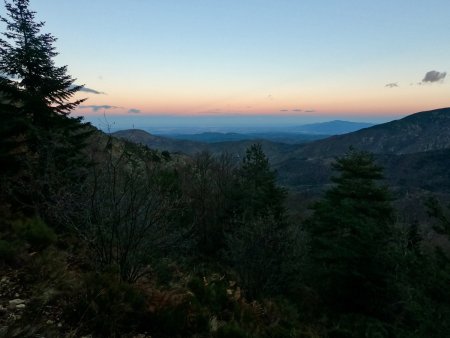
{"x": 424, "y": 131}
{"x": 409, "y": 148}
{"x": 160, "y": 142}
{"x": 336, "y": 127}
{"x": 274, "y": 150}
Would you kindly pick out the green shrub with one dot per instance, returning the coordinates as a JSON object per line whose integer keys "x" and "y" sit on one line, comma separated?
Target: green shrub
{"x": 165, "y": 271}
{"x": 107, "y": 306}
{"x": 35, "y": 231}
{"x": 197, "y": 286}
{"x": 359, "y": 326}
{"x": 213, "y": 294}
{"x": 7, "y": 251}
{"x": 166, "y": 155}
{"x": 231, "y": 330}
{"x": 174, "y": 319}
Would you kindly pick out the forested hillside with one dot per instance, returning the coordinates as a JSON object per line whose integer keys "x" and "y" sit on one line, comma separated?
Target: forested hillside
{"x": 101, "y": 237}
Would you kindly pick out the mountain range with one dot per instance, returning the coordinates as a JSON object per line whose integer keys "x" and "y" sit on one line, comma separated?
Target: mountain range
{"x": 412, "y": 147}
{"x": 414, "y": 150}
{"x": 288, "y": 134}
{"x": 190, "y": 143}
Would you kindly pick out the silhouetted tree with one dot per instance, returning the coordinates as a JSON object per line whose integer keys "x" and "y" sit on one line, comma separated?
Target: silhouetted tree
{"x": 350, "y": 233}
{"x": 36, "y": 127}
{"x": 261, "y": 245}
{"x": 258, "y": 193}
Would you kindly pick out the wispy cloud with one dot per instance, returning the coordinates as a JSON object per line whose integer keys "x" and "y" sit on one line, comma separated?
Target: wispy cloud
{"x": 89, "y": 90}
{"x": 96, "y": 108}
{"x": 212, "y": 112}
{"x": 310, "y": 111}
{"x": 133, "y": 111}
{"x": 392, "y": 85}
{"x": 434, "y": 76}
{"x": 284, "y": 110}
{"x": 297, "y": 110}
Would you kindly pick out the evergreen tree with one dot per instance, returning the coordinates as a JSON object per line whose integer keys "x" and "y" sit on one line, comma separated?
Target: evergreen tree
{"x": 262, "y": 246}
{"x": 36, "y": 105}
{"x": 11, "y": 146}
{"x": 350, "y": 233}
{"x": 26, "y": 55}
{"x": 259, "y": 194}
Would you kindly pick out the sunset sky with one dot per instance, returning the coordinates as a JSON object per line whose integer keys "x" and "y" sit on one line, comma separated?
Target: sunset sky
{"x": 329, "y": 58}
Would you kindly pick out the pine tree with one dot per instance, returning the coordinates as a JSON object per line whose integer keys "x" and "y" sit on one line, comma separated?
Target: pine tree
{"x": 11, "y": 146}
{"x": 26, "y": 55}
{"x": 260, "y": 196}
{"x": 262, "y": 246}
{"x": 36, "y": 102}
{"x": 350, "y": 233}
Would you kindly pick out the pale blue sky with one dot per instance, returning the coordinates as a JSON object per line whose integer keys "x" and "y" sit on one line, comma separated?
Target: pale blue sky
{"x": 254, "y": 56}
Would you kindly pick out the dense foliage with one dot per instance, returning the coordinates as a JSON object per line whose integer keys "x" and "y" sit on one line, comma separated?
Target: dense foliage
{"x": 106, "y": 238}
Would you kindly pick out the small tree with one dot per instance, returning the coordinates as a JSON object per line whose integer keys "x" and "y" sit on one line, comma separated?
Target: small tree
{"x": 127, "y": 218}
{"x": 261, "y": 246}
{"x": 350, "y": 232}
{"x": 258, "y": 194}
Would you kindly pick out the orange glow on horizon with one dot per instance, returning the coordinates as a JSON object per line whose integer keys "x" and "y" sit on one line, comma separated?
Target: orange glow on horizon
{"x": 321, "y": 101}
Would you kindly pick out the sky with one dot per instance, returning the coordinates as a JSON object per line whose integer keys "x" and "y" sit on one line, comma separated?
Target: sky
{"x": 306, "y": 59}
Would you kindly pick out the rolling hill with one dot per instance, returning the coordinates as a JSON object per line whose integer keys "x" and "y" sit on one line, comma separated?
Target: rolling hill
{"x": 160, "y": 142}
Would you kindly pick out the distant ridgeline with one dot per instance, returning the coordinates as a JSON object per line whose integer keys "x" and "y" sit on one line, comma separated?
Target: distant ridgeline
{"x": 217, "y": 142}
{"x": 411, "y": 149}
{"x": 414, "y": 150}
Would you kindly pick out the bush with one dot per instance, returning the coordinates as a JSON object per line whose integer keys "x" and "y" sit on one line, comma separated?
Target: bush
{"x": 359, "y": 326}
{"x": 266, "y": 254}
{"x": 211, "y": 293}
{"x": 129, "y": 203}
{"x": 35, "y": 231}
{"x": 174, "y": 314}
{"x": 7, "y": 251}
{"x": 231, "y": 330}
{"x": 107, "y": 306}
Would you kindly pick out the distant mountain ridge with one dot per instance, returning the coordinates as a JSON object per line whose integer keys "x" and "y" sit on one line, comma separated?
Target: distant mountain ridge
{"x": 419, "y": 132}
{"x": 411, "y": 149}
{"x": 216, "y": 137}
{"x": 336, "y": 127}
{"x": 191, "y": 143}
{"x": 291, "y": 133}
{"x": 235, "y": 148}
{"x": 160, "y": 142}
